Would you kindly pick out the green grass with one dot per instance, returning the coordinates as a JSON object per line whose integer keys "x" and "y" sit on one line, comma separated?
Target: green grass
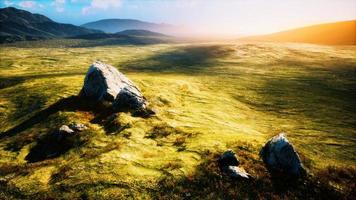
{"x": 208, "y": 97}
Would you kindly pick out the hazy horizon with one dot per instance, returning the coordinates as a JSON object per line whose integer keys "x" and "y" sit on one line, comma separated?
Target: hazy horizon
{"x": 199, "y": 18}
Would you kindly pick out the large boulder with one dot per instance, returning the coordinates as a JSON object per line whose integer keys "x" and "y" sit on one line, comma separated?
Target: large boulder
{"x": 279, "y": 155}
{"x": 104, "y": 82}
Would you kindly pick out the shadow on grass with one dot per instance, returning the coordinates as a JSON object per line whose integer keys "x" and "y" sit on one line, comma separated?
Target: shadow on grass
{"x": 72, "y": 103}
{"x": 50, "y": 147}
{"x": 28, "y": 99}
{"x": 187, "y": 60}
{"x": 323, "y": 95}
{"x": 103, "y": 115}
{"x": 6, "y": 82}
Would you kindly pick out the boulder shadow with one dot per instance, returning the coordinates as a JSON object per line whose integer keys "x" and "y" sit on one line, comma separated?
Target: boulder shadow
{"x": 102, "y": 112}
{"x": 49, "y": 146}
{"x": 72, "y": 103}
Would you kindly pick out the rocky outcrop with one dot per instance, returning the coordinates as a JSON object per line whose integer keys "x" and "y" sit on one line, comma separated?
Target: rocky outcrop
{"x": 104, "y": 82}
{"x": 228, "y": 164}
{"x": 279, "y": 155}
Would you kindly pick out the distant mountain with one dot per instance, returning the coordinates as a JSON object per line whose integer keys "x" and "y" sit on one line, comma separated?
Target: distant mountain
{"x": 118, "y": 25}
{"x": 144, "y": 33}
{"x": 16, "y": 25}
{"x": 339, "y": 33}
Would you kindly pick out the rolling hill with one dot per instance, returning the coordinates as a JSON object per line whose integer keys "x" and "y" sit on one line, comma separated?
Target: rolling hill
{"x": 17, "y": 25}
{"x": 338, "y": 33}
{"x": 117, "y": 25}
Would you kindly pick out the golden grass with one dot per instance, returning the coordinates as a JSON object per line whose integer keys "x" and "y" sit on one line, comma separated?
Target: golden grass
{"x": 208, "y": 97}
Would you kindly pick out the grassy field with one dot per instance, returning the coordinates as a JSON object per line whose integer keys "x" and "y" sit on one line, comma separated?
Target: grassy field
{"x": 208, "y": 97}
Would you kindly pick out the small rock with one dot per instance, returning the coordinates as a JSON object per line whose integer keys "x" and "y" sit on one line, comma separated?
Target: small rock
{"x": 279, "y": 155}
{"x": 228, "y": 164}
{"x": 236, "y": 172}
{"x": 78, "y": 127}
{"x": 62, "y": 132}
{"x": 228, "y": 158}
{"x": 64, "y": 129}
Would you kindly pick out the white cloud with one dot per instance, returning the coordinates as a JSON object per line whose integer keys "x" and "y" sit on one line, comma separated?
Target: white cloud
{"x": 8, "y": 3}
{"x": 27, "y": 4}
{"x": 101, "y": 4}
{"x": 59, "y": 5}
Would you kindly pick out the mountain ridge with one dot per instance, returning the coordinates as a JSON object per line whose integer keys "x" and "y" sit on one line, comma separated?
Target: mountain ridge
{"x": 118, "y": 25}
{"x": 17, "y": 25}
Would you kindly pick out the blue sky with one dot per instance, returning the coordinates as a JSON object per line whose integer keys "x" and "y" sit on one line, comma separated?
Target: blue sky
{"x": 229, "y": 17}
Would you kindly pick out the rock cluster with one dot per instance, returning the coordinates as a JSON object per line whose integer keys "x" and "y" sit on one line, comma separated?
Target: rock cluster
{"x": 279, "y": 155}
{"x": 104, "y": 83}
{"x": 228, "y": 164}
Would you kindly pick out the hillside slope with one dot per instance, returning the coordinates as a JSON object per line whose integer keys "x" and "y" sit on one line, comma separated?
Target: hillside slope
{"x": 17, "y": 25}
{"x": 339, "y": 33}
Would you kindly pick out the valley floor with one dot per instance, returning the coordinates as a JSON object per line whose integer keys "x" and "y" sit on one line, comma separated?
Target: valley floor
{"x": 208, "y": 98}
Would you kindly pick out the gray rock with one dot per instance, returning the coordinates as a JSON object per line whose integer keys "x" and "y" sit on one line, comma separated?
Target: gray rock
{"x": 129, "y": 99}
{"x": 78, "y": 127}
{"x": 105, "y": 83}
{"x": 65, "y": 129}
{"x": 63, "y": 132}
{"x": 228, "y": 163}
{"x": 279, "y": 155}
{"x": 228, "y": 158}
{"x": 236, "y": 172}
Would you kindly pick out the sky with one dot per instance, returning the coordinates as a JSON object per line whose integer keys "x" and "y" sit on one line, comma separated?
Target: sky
{"x": 209, "y": 17}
